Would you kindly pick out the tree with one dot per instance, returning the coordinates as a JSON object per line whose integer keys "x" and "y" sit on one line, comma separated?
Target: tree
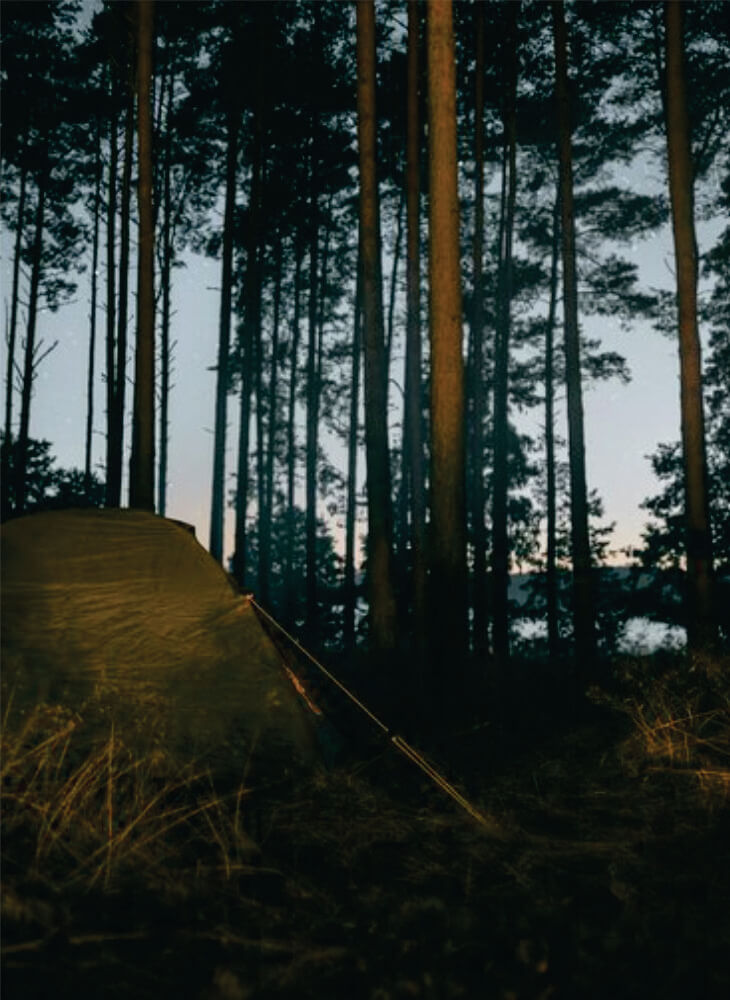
{"x": 701, "y": 630}
{"x": 583, "y": 602}
{"x": 448, "y": 508}
{"x": 500, "y": 539}
{"x": 39, "y": 90}
{"x": 380, "y": 574}
{"x": 142, "y": 462}
{"x": 476, "y": 382}
{"x": 414, "y": 473}
{"x": 224, "y": 343}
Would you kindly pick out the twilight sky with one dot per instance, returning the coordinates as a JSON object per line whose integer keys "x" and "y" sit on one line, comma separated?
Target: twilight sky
{"x": 623, "y": 423}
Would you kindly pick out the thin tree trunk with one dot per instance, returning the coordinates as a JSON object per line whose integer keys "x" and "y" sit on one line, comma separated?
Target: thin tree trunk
{"x": 380, "y": 571}
{"x": 92, "y": 315}
{"x": 394, "y": 282}
{"x": 217, "y": 506}
{"x": 311, "y": 428}
{"x": 12, "y": 333}
{"x": 120, "y": 380}
{"x": 111, "y": 298}
{"x": 583, "y": 602}
{"x": 260, "y": 421}
{"x": 500, "y": 489}
{"x": 448, "y": 503}
{"x": 166, "y": 281}
{"x": 142, "y": 462}
{"x": 414, "y": 471}
{"x": 701, "y": 626}
{"x": 251, "y": 337}
{"x": 20, "y": 470}
{"x": 551, "y": 579}
{"x": 350, "y": 593}
{"x": 265, "y": 526}
{"x": 290, "y": 585}
{"x": 478, "y": 493}
{"x": 240, "y": 555}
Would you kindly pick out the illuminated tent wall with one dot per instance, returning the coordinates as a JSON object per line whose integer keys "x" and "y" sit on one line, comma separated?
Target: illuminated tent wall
{"x": 122, "y": 614}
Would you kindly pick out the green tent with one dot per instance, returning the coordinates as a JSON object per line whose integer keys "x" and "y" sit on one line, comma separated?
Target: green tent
{"x": 122, "y": 615}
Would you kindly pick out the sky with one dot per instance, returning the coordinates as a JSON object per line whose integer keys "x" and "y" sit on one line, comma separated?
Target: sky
{"x": 623, "y": 424}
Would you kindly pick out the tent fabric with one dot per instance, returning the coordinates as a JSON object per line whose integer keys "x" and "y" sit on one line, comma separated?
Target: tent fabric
{"x": 126, "y": 611}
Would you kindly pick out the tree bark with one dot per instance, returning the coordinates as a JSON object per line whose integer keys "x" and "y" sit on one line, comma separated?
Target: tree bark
{"x": 289, "y": 582}
{"x": 92, "y": 314}
{"x": 20, "y": 470}
{"x": 166, "y": 282}
{"x": 120, "y": 367}
{"x": 701, "y": 626}
{"x": 111, "y": 297}
{"x": 583, "y": 601}
{"x": 500, "y": 489}
{"x": 310, "y": 526}
{"x": 251, "y": 335}
{"x": 217, "y": 505}
{"x": 142, "y": 462}
{"x": 394, "y": 284}
{"x": 265, "y": 526}
{"x": 413, "y": 471}
{"x": 380, "y": 571}
{"x": 350, "y": 593}
{"x": 478, "y": 493}
{"x": 551, "y": 576}
{"x": 12, "y": 333}
{"x": 448, "y": 507}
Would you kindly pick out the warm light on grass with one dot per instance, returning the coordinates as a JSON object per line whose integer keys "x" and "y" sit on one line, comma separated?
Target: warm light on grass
{"x": 88, "y": 812}
{"x": 680, "y": 718}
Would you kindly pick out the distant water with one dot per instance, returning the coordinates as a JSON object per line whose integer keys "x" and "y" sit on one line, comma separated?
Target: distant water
{"x": 641, "y": 636}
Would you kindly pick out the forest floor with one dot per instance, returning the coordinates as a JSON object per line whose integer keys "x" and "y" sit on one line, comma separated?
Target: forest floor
{"x": 605, "y": 871}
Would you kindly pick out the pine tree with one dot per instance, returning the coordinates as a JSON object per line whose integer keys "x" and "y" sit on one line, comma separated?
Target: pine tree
{"x": 448, "y": 506}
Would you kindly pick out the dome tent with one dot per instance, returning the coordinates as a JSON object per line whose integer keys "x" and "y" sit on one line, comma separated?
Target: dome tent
{"x": 126, "y": 611}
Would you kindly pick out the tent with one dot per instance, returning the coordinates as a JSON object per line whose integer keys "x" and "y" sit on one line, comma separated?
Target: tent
{"x": 123, "y": 615}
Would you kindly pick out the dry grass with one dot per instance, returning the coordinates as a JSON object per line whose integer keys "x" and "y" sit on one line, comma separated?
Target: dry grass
{"x": 137, "y": 871}
{"x": 680, "y": 719}
{"x": 90, "y": 811}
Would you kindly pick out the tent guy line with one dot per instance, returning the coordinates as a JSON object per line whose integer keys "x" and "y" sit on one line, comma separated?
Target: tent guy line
{"x": 395, "y": 740}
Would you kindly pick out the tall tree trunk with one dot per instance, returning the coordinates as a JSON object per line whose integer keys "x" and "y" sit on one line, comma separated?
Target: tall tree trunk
{"x": 240, "y": 556}
{"x": 448, "y": 505}
{"x": 413, "y": 472}
{"x": 265, "y": 525}
{"x": 476, "y": 479}
{"x": 380, "y": 572}
{"x": 251, "y": 335}
{"x": 312, "y": 391}
{"x": 260, "y": 395}
{"x": 583, "y": 601}
{"x": 551, "y": 575}
{"x": 289, "y": 582}
{"x": 142, "y": 462}
{"x": 120, "y": 368}
{"x": 5, "y": 485}
{"x": 217, "y": 505}
{"x": 29, "y": 363}
{"x": 394, "y": 282}
{"x": 92, "y": 314}
{"x": 701, "y": 626}
{"x": 166, "y": 282}
{"x": 500, "y": 489}
{"x": 350, "y": 592}
{"x": 111, "y": 297}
